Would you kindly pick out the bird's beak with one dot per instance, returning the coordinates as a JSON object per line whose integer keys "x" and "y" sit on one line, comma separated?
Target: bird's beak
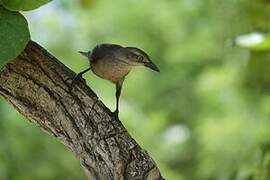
{"x": 152, "y": 66}
{"x": 84, "y": 53}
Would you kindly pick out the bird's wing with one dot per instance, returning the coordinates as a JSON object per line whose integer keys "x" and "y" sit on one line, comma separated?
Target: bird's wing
{"x": 102, "y": 50}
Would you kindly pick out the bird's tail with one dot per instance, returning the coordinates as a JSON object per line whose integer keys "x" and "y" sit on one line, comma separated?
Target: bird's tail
{"x": 86, "y": 54}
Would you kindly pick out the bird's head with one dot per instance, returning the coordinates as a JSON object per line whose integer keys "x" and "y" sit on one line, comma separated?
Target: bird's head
{"x": 137, "y": 57}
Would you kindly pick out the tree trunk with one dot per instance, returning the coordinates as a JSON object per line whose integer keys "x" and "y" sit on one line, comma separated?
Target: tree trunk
{"x": 35, "y": 83}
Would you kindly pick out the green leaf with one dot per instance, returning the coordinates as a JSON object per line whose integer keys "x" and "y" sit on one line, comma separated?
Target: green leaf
{"x": 23, "y": 5}
{"x": 14, "y": 35}
{"x": 263, "y": 46}
{"x": 254, "y": 41}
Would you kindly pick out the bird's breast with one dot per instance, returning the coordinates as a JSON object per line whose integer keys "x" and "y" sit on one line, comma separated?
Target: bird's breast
{"x": 110, "y": 70}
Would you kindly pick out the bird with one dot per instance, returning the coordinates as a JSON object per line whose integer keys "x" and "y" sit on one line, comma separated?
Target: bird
{"x": 114, "y": 62}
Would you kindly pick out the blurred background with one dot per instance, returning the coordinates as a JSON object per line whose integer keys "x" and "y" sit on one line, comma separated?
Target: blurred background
{"x": 206, "y": 116}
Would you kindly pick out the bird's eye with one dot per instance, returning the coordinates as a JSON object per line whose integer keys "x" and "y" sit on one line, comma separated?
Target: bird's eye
{"x": 140, "y": 58}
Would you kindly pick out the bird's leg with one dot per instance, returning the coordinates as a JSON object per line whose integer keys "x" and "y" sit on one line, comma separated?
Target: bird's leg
{"x": 117, "y": 95}
{"x": 78, "y": 76}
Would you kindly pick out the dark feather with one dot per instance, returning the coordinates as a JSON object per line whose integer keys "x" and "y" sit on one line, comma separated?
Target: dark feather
{"x": 102, "y": 50}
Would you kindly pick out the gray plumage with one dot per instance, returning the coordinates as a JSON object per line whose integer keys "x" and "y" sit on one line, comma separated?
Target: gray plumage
{"x": 113, "y": 62}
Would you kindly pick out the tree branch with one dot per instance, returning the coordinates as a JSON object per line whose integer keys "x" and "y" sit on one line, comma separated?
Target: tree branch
{"x": 35, "y": 84}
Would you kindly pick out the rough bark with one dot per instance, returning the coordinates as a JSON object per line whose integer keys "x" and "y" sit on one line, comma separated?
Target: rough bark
{"x": 35, "y": 83}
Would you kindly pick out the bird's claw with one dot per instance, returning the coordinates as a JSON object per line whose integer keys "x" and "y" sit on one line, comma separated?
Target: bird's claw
{"x": 75, "y": 79}
{"x": 115, "y": 114}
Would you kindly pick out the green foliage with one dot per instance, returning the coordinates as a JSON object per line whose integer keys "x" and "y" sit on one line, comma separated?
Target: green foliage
{"x": 14, "y": 34}
{"x": 264, "y": 45}
{"x": 254, "y": 41}
{"x": 23, "y": 5}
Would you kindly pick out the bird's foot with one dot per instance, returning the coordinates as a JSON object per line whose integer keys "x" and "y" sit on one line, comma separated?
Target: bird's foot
{"x": 116, "y": 114}
{"x": 75, "y": 79}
